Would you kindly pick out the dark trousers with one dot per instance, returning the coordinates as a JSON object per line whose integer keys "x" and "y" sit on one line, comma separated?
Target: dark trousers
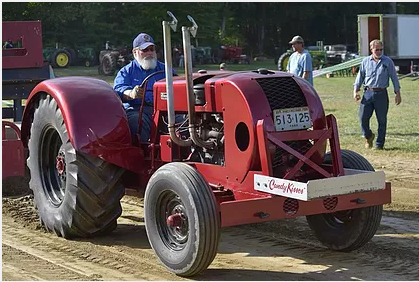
{"x": 374, "y": 101}
{"x": 134, "y": 112}
{"x": 133, "y": 115}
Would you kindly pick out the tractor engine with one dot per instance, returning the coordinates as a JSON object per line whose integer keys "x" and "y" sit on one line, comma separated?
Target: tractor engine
{"x": 227, "y": 108}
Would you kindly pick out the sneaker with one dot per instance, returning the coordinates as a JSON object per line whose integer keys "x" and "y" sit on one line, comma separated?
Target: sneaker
{"x": 379, "y": 148}
{"x": 369, "y": 141}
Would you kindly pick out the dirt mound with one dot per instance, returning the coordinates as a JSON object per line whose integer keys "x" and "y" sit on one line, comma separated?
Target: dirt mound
{"x": 16, "y": 186}
{"x": 22, "y": 210}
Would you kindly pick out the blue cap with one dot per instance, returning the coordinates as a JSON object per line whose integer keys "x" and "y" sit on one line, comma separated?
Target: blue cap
{"x": 142, "y": 41}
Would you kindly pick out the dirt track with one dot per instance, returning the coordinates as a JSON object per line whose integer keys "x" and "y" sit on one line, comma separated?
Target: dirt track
{"x": 282, "y": 250}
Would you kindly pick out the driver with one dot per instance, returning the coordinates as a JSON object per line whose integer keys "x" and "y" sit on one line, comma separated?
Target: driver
{"x": 129, "y": 78}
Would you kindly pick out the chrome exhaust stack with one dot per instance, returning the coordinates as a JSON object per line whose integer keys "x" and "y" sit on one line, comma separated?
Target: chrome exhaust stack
{"x": 169, "y": 80}
{"x": 186, "y": 31}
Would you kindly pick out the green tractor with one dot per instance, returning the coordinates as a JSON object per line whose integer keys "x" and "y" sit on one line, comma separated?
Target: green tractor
{"x": 317, "y": 53}
{"x": 203, "y": 55}
{"x": 58, "y": 58}
{"x": 64, "y": 57}
{"x": 84, "y": 56}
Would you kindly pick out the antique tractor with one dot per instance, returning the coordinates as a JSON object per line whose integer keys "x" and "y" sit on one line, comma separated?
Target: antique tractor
{"x": 255, "y": 151}
{"x": 112, "y": 59}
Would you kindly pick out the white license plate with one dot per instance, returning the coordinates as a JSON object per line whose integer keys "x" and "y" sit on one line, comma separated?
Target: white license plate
{"x": 292, "y": 119}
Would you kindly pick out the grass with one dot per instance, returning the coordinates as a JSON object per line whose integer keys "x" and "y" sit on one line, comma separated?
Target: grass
{"x": 336, "y": 94}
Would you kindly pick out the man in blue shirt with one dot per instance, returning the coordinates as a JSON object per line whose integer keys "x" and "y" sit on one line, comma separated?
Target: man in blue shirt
{"x": 300, "y": 62}
{"x": 129, "y": 78}
{"x": 374, "y": 72}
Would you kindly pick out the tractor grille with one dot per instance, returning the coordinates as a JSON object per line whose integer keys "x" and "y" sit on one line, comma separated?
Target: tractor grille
{"x": 282, "y": 92}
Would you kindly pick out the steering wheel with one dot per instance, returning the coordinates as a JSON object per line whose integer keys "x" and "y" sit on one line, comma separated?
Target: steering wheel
{"x": 143, "y": 85}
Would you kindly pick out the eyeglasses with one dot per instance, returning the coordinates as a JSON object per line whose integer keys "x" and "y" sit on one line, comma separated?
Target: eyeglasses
{"x": 148, "y": 49}
{"x": 378, "y": 49}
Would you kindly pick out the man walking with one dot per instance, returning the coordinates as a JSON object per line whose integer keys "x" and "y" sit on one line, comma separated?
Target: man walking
{"x": 374, "y": 72}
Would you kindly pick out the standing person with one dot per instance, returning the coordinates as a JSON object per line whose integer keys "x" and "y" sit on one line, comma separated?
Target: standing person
{"x": 300, "y": 62}
{"x": 374, "y": 72}
{"x": 130, "y": 77}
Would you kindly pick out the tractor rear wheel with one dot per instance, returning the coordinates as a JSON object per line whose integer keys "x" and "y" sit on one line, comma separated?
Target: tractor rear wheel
{"x": 60, "y": 58}
{"x": 283, "y": 61}
{"x": 350, "y": 229}
{"x": 181, "y": 219}
{"x": 108, "y": 65}
{"x": 77, "y": 195}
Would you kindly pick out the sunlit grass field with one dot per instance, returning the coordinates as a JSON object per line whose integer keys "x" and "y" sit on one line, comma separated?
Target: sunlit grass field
{"x": 336, "y": 94}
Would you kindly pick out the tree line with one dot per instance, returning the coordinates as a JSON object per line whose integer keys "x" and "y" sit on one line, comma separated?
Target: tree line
{"x": 261, "y": 28}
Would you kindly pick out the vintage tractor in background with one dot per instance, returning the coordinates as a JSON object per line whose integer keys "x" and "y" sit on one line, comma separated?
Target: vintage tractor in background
{"x": 83, "y": 56}
{"x": 58, "y": 57}
{"x": 74, "y": 56}
{"x": 112, "y": 59}
{"x": 203, "y": 55}
{"x": 254, "y": 151}
{"x": 231, "y": 54}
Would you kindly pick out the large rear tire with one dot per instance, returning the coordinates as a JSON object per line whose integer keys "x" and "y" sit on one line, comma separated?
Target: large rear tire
{"x": 108, "y": 65}
{"x": 182, "y": 219}
{"x": 283, "y": 61}
{"x": 60, "y": 58}
{"x": 350, "y": 229}
{"x": 77, "y": 195}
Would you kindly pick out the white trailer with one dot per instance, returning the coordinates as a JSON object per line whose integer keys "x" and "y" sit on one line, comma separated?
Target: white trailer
{"x": 399, "y": 33}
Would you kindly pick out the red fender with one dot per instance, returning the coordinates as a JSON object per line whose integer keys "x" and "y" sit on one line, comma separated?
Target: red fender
{"x": 95, "y": 119}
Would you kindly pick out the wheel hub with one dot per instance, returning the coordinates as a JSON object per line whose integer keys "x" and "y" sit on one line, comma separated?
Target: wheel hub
{"x": 60, "y": 165}
{"x": 174, "y": 220}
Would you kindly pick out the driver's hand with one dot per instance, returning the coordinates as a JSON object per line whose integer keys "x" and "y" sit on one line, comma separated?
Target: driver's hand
{"x": 137, "y": 92}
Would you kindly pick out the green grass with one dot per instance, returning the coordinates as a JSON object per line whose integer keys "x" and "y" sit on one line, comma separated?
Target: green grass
{"x": 336, "y": 94}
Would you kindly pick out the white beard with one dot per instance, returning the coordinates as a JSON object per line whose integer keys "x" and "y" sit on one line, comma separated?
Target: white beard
{"x": 147, "y": 63}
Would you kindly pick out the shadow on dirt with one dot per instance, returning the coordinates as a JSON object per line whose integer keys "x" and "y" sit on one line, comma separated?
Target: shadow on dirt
{"x": 232, "y": 274}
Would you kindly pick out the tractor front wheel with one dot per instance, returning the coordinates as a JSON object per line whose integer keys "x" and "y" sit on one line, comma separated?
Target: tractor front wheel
{"x": 77, "y": 195}
{"x": 181, "y": 219}
{"x": 350, "y": 229}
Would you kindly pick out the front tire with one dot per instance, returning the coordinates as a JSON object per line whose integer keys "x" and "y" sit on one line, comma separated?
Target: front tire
{"x": 77, "y": 195}
{"x": 182, "y": 219}
{"x": 350, "y": 229}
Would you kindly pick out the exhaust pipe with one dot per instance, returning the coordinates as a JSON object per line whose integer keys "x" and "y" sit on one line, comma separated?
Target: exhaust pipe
{"x": 169, "y": 80}
{"x": 186, "y": 31}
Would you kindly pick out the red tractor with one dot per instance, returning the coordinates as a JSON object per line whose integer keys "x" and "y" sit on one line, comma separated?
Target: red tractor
{"x": 255, "y": 152}
{"x": 231, "y": 54}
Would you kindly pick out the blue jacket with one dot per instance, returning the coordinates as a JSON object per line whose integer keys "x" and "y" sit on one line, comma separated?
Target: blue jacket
{"x": 133, "y": 74}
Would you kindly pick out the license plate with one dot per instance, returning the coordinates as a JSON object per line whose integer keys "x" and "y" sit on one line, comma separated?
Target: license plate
{"x": 292, "y": 119}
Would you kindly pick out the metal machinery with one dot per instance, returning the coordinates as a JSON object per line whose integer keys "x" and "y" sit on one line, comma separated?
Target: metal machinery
{"x": 23, "y": 68}
{"x": 252, "y": 149}
{"x": 23, "y": 64}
